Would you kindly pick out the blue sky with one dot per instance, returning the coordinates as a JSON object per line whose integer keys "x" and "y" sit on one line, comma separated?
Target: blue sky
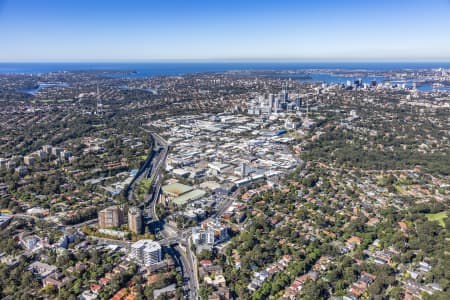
{"x": 289, "y": 30}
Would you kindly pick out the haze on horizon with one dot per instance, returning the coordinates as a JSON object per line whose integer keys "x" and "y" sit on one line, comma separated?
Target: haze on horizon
{"x": 252, "y": 30}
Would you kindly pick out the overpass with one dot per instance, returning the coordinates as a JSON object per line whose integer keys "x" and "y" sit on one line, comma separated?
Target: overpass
{"x": 174, "y": 240}
{"x": 142, "y": 172}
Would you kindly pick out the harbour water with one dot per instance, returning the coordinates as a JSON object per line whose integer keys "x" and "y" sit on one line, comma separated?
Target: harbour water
{"x": 173, "y": 68}
{"x": 147, "y": 69}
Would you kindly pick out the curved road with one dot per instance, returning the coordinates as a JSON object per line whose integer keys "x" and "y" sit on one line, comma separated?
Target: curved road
{"x": 172, "y": 236}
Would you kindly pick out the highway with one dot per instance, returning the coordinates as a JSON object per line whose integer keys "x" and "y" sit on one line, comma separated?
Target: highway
{"x": 161, "y": 149}
{"x": 175, "y": 240}
{"x": 189, "y": 271}
{"x": 142, "y": 172}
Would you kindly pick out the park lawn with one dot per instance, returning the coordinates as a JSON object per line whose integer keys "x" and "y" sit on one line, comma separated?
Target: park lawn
{"x": 439, "y": 217}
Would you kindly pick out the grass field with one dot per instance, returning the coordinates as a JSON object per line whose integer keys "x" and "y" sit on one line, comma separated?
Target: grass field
{"x": 439, "y": 217}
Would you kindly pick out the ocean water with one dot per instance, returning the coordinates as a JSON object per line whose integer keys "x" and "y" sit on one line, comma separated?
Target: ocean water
{"x": 172, "y": 68}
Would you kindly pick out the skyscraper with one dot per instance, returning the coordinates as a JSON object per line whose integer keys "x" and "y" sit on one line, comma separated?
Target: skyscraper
{"x": 298, "y": 102}
{"x": 271, "y": 100}
{"x": 277, "y": 104}
{"x": 284, "y": 96}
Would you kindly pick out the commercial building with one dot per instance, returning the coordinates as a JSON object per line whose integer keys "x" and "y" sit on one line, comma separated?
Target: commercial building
{"x": 217, "y": 167}
{"x": 135, "y": 220}
{"x": 243, "y": 170}
{"x": 176, "y": 189}
{"x": 111, "y": 217}
{"x": 181, "y": 194}
{"x": 289, "y": 124}
{"x": 146, "y": 252}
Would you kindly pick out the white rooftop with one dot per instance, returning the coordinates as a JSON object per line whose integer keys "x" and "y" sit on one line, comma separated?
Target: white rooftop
{"x": 148, "y": 245}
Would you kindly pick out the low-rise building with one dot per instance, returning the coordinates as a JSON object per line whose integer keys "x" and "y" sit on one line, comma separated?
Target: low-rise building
{"x": 41, "y": 270}
{"x": 56, "y": 279}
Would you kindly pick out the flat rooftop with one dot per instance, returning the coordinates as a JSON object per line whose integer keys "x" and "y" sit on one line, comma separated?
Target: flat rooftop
{"x": 149, "y": 245}
{"x": 176, "y": 189}
{"x": 190, "y": 196}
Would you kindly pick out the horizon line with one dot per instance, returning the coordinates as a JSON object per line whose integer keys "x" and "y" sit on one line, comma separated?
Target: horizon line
{"x": 274, "y": 60}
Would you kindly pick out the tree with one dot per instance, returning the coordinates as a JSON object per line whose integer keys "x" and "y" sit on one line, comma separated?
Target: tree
{"x": 315, "y": 290}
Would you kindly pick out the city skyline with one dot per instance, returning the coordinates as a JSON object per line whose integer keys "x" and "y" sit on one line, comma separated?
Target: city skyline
{"x": 325, "y": 31}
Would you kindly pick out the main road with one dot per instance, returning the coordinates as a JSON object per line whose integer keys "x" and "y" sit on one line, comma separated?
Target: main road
{"x": 142, "y": 172}
{"x": 178, "y": 241}
{"x": 173, "y": 238}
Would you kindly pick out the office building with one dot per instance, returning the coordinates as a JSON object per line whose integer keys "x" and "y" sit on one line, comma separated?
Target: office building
{"x": 298, "y": 102}
{"x": 271, "y": 101}
{"x": 283, "y": 97}
{"x": 243, "y": 170}
{"x": 146, "y": 252}
{"x": 135, "y": 220}
{"x": 111, "y": 217}
{"x": 276, "y": 104}
{"x": 289, "y": 124}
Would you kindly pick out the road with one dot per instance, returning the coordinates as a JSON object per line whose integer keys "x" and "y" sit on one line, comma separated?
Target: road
{"x": 189, "y": 270}
{"x": 151, "y": 168}
{"x": 173, "y": 238}
{"x": 106, "y": 241}
{"x": 75, "y": 226}
{"x": 161, "y": 149}
{"x": 178, "y": 241}
{"x": 224, "y": 205}
{"x": 142, "y": 172}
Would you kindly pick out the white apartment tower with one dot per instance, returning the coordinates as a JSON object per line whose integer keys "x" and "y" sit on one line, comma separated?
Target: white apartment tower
{"x": 146, "y": 252}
